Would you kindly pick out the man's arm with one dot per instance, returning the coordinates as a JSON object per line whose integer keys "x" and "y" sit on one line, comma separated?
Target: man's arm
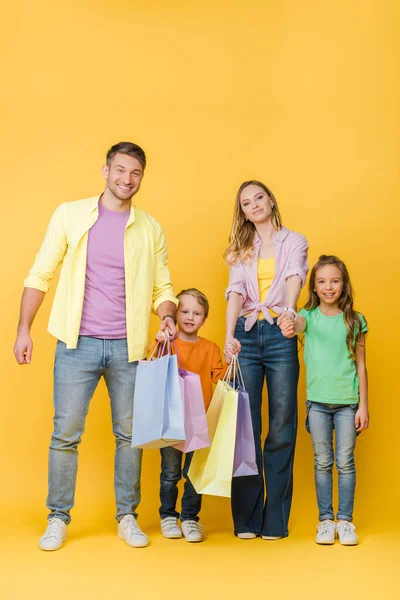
{"x": 30, "y": 304}
{"x": 167, "y": 313}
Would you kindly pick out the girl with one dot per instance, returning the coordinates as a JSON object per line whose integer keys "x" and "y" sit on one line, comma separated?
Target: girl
{"x": 268, "y": 266}
{"x": 337, "y": 394}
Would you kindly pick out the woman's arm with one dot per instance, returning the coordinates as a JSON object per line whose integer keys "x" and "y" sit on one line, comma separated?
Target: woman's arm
{"x": 232, "y": 346}
{"x": 293, "y": 288}
{"x": 362, "y": 415}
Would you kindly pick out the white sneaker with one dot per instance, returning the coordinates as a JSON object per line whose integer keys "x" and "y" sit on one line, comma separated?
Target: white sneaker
{"x": 129, "y": 530}
{"x": 326, "y": 532}
{"x": 246, "y": 535}
{"x": 192, "y": 531}
{"x": 347, "y": 533}
{"x": 170, "y": 528}
{"x": 54, "y": 536}
{"x": 272, "y": 537}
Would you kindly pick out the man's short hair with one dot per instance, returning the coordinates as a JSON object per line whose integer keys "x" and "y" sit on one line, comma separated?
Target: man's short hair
{"x": 129, "y": 149}
{"x": 199, "y": 296}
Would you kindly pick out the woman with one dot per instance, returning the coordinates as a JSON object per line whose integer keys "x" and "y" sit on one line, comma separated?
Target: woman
{"x": 268, "y": 266}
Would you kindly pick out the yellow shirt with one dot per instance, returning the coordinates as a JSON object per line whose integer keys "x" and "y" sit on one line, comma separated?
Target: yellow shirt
{"x": 265, "y": 275}
{"x": 147, "y": 278}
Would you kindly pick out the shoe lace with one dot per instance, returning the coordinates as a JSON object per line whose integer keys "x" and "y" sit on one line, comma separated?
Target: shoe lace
{"x": 54, "y": 527}
{"x": 169, "y": 523}
{"x": 345, "y": 527}
{"x": 325, "y": 527}
{"x": 131, "y": 526}
{"x": 193, "y": 526}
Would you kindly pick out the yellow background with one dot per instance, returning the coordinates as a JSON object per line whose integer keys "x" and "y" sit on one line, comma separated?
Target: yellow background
{"x": 302, "y": 95}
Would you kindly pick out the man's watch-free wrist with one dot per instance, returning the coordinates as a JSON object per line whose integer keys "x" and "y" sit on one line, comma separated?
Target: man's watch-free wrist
{"x": 169, "y": 317}
{"x": 290, "y": 309}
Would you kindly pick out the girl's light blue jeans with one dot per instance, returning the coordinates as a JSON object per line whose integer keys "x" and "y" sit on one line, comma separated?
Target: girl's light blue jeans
{"x": 76, "y": 375}
{"x": 322, "y": 419}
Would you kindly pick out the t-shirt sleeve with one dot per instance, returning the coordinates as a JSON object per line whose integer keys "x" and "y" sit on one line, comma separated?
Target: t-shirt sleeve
{"x": 305, "y": 314}
{"x": 218, "y": 369}
{"x": 364, "y": 326}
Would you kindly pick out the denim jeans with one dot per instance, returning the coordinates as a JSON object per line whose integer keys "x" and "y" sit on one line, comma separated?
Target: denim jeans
{"x": 267, "y": 354}
{"x": 321, "y": 420}
{"x": 171, "y": 473}
{"x": 76, "y": 375}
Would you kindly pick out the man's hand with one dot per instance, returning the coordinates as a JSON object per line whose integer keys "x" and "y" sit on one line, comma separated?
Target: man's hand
{"x": 167, "y": 330}
{"x": 287, "y": 325}
{"x": 361, "y": 419}
{"x": 23, "y": 347}
{"x": 231, "y": 348}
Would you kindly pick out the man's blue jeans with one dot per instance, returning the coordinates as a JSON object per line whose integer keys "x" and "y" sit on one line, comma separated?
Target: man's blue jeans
{"x": 321, "y": 420}
{"x": 76, "y": 375}
{"x": 267, "y": 354}
{"x": 171, "y": 473}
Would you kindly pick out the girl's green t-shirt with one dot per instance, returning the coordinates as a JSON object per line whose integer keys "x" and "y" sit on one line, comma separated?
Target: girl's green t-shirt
{"x": 331, "y": 375}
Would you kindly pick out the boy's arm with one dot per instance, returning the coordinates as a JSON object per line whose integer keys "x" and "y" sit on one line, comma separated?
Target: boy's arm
{"x": 218, "y": 369}
{"x": 362, "y": 415}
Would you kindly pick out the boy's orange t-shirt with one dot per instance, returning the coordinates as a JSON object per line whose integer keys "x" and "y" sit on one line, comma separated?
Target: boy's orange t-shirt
{"x": 204, "y": 358}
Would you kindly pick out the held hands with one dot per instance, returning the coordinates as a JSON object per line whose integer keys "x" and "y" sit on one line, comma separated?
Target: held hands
{"x": 287, "y": 324}
{"x": 361, "y": 419}
{"x": 232, "y": 348}
{"x": 23, "y": 348}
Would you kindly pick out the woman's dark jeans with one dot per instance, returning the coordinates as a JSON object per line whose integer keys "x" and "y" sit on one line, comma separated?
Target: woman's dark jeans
{"x": 266, "y": 353}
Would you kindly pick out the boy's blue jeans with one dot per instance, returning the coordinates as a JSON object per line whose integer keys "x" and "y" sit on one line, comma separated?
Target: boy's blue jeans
{"x": 76, "y": 375}
{"x": 267, "y": 355}
{"x": 171, "y": 474}
{"x": 321, "y": 420}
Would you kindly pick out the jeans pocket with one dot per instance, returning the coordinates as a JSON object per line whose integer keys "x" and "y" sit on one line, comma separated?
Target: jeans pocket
{"x": 308, "y": 407}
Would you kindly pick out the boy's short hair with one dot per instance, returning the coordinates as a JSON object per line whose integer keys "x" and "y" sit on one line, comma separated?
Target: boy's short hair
{"x": 200, "y": 297}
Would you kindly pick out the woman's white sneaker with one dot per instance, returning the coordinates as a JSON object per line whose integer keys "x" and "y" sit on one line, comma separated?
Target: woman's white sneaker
{"x": 54, "y": 536}
{"x": 129, "y": 530}
{"x": 326, "y": 532}
{"x": 170, "y": 528}
{"x": 347, "y": 533}
{"x": 192, "y": 531}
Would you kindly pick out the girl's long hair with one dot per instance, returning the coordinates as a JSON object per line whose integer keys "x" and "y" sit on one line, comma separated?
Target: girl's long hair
{"x": 351, "y": 318}
{"x": 242, "y": 233}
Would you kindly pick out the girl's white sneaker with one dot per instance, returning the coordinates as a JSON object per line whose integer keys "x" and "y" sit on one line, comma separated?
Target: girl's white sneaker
{"x": 347, "y": 533}
{"x": 326, "y": 532}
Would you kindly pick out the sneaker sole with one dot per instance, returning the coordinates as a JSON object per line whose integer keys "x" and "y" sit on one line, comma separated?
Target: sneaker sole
{"x": 175, "y": 536}
{"x": 328, "y": 543}
{"x": 348, "y": 543}
{"x": 142, "y": 545}
{"x": 246, "y": 536}
{"x": 193, "y": 541}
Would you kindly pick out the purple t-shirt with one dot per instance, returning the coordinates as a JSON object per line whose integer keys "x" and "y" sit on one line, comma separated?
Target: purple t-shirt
{"x": 104, "y": 311}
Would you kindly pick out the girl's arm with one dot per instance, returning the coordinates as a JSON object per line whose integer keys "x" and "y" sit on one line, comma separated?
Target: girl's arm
{"x": 362, "y": 415}
{"x": 232, "y": 346}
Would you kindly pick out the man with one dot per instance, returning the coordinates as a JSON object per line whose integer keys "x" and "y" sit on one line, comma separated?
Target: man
{"x": 113, "y": 273}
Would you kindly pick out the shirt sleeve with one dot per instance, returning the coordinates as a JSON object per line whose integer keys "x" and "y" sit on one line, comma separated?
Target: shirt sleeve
{"x": 364, "y": 326}
{"x": 218, "y": 369}
{"x": 298, "y": 263}
{"x": 162, "y": 286}
{"x": 51, "y": 253}
{"x": 237, "y": 282}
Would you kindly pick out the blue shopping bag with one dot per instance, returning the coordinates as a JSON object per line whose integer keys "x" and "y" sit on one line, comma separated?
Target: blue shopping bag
{"x": 158, "y": 419}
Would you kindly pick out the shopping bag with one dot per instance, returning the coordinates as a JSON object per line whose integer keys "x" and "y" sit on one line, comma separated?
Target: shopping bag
{"x": 195, "y": 420}
{"x": 200, "y": 457}
{"x": 245, "y": 451}
{"x": 157, "y": 404}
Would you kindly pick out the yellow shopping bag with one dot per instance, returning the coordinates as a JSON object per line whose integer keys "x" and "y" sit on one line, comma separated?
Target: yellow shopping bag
{"x": 211, "y": 468}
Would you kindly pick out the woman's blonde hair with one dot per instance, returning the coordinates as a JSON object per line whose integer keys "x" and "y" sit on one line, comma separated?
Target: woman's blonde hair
{"x": 351, "y": 317}
{"x": 241, "y": 248}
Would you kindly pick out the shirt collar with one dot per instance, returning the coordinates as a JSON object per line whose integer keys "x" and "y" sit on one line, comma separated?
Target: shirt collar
{"x": 94, "y": 208}
{"x": 280, "y": 236}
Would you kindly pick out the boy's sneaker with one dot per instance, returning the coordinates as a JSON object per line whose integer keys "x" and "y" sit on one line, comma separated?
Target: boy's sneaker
{"x": 347, "y": 533}
{"x": 54, "y": 536}
{"x": 246, "y": 535}
{"x": 129, "y": 530}
{"x": 170, "y": 528}
{"x": 192, "y": 531}
{"x": 326, "y": 532}
{"x": 272, "y": 537}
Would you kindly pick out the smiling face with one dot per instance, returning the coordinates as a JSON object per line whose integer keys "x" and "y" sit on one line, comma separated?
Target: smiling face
{"x": 256, "y": 204}
{"x": 190, "y": 315}
{"x": 123, "y": 176}
{"x": 329, "y": 284}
